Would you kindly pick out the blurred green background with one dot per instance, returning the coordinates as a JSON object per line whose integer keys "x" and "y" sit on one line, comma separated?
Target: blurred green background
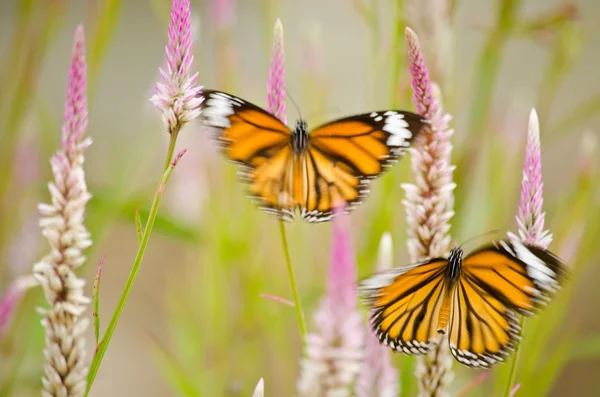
{"x": 195, "y": 324}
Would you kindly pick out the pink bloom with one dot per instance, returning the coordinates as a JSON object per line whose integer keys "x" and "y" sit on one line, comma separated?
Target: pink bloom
{"x": 177, "y": 95}
{"x": 276, "y": 81}
{"x": 62, "y": 224}
{"x": 429, "y": 202}
{"x": 531, "y": 217}
{"x": 378, "y": 377}
{"x": 222, "y": 13}
{"x": 335, "y": 352}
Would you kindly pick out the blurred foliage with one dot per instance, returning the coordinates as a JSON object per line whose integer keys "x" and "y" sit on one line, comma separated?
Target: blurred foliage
{"x": 221, "y": 336}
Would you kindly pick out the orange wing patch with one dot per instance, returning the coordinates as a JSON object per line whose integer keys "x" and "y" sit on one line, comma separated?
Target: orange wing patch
{"x": 345, "y": 155}
{"x": 260, "y": 144}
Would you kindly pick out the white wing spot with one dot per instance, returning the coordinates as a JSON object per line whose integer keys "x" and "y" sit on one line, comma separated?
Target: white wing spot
{"x": 397, "y": 127}
{"x": 218, "y": 108}
{"x": 536, "y": 268}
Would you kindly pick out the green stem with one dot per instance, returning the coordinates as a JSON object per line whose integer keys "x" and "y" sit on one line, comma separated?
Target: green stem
{"x": 297, "y": 304}
{"x": 515, "y": 360}
{"x": 101, "y": 348}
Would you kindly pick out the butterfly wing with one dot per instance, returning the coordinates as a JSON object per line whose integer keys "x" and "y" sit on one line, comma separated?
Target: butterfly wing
{"x": 498, "y": 281}
{"x": 260, "y": 144}
{"x": 405, "y": 304}
{"x": 345, "y": 155}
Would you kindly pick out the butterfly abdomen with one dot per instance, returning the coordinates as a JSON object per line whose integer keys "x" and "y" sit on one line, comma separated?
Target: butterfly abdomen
{"x": 444, "y": 316}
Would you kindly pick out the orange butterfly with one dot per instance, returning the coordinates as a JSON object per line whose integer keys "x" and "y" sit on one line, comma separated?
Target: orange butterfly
{"x": 474, "y": 300}
{"x": 315, "y": 172}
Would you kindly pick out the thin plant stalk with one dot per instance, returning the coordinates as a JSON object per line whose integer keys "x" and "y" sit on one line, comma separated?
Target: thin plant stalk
{"x": 290, "y": 270}
{"x": 513, "y": 362}
{"x": 178, "y": 98}
{"x": 103, "y": 345}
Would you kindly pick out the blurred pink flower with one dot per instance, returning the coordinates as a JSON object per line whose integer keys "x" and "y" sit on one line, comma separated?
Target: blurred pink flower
{"x": 11, "y": 298}
{"x": 276, "y": 81}
{"x": 222, "y": 13}
{"x": 176, "y": 95}
{"x": 62, "y": 224}
{"x": 429, "y": 202}
{"x": 335, "y": 352}
{"x": 378, "y": 377}
{"x": 530, "y": 219}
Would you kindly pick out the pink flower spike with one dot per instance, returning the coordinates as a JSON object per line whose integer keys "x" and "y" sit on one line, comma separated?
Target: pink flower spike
{"x": 276, "y": 81}
{"x": 335, "y": 352}
{"x": 176, "y": 95}
{"x": 62, "y": 224}
{"x": 531, "y": 217}
{"x": 76, "y": 113}
{"x": 429, "y": 202}
{"x": 378, "y": 377}
{"x": 11, "y": 298}
{"x": 223, "y": 13}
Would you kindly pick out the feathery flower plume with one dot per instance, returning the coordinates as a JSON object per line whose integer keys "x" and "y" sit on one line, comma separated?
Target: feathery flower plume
{"x": 259, "y": 391}
{"x": 429, "y": 204}
{"x": 378, "y": 377}
{"x": 62, "y": 225}
{"x": 176, "y": 95}
{"x": 334, "y": 354}
{"x": 530, "y": 219}
{"x": 275, "y": 82}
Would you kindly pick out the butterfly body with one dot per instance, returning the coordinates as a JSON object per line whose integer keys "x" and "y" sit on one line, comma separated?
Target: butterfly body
{"x": 300, "y": 138}
{"x": 313, "y": 172}
{"x": 474, "y": 300}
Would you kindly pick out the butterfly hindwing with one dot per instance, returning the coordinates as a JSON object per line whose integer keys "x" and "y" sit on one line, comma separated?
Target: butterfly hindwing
{"x": 405, "y": 304}
{"x": 344, "y": 155}
{"x": 259, "y": 143}
{"x": 483, "y": 330}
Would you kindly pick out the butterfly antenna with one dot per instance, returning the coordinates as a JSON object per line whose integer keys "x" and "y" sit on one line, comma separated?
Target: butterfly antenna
{"x": 495, "y": 231}
{"x": 294, "y": 102}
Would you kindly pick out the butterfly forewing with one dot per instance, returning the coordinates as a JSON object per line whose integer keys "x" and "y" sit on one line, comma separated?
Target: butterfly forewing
{"x": 259, "y": 143}
{"x": 346, "y": 154}
{"x": 522, "y": 277}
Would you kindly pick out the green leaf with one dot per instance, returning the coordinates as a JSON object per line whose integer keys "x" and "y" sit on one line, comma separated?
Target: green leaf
{"x": 96, "y": 300}
{"x": 138, "y": 224}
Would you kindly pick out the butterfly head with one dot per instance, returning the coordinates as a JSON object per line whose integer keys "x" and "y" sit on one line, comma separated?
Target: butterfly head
{"x": 300, "y": 137}
{"x": 454, "y": 265}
